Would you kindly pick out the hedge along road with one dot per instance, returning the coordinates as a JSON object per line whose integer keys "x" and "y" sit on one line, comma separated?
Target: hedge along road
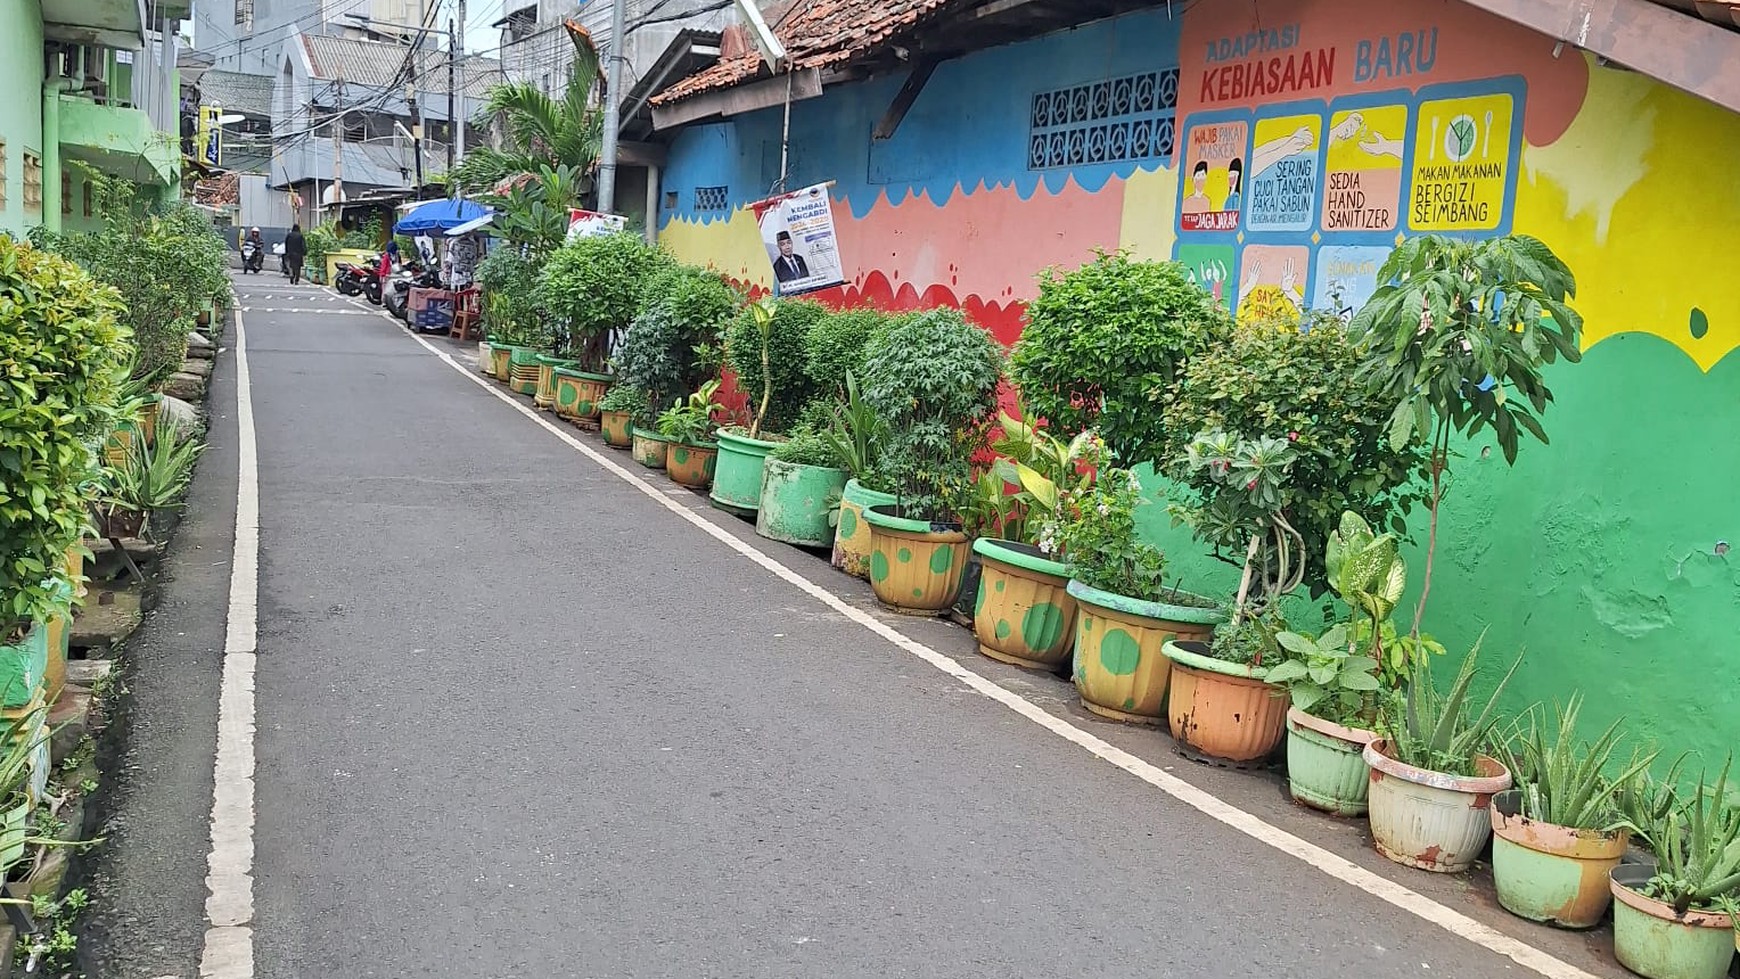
{"x": 520, "y": 713}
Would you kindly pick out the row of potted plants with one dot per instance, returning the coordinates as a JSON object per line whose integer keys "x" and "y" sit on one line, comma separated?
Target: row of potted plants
{"x": 1280, "y": 439}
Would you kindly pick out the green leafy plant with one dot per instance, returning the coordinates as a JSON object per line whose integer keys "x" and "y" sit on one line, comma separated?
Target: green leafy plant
{"x": 1303, "y": 382}
{"x": 1103, "y": 345}
{"x": 1238, "y": 493}
{"x": 933, "y": 380}
{"x": 835, "y": 347}
{"x": 623, "y": 397}
{"x": 593, "y": 288}
{"x": 509, "y": 281}
{"x": 535, "y": 210}
{"x": 766, "y": 348}
{"x": 1325, "y": 678}
{"x": 1093, "y": 530}
{"x": 685, "y": 309}
{"x": 856, "y": 433}
{"x": 1020, "y": 490}
{"x": 1438, "y": 731}
{"x": 806, "y": 447}
{"x": 62, "y": 354}
{"x": 1457, "y": 339}
{"x": 1562, "y": 779}
{"x": 1366, "y": 571}
{"x": 53, "y": 947}
{"x": 1253, "y": 640}
{"x": 1696, "y": 840}
{"x": 150, "y": 478}
{"x": 691, "y": 422}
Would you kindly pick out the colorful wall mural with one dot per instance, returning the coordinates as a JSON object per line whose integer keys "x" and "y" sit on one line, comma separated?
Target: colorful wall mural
{"x": 1291, "y": 144}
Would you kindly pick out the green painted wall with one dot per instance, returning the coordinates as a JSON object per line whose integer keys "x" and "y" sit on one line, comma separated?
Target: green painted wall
{"x": 1596, "y": 556}
{"x": 21, "y": 109}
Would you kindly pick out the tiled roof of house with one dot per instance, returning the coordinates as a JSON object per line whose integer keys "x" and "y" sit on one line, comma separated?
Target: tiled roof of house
{"x": 817, "y": 34}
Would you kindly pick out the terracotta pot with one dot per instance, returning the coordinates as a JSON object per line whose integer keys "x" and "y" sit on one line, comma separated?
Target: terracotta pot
{"x": 1549, "y": 873}
{"x": 852, "y": 535}
{"x": 650, "y": 448}
{"x": 692, "y": 465}
{"x": 1121, "y": 669}
{"x": 1223, "y": 710}
{"x": 1427, "y": 819}
{"x": 915, "y": 566}
{"x": 1653, "y": 940}
{"x": 1326, "y": 766}
{"x": 1023, "y": 614}
{"x": 578, "y": 392}
{"x": 617, "y": 428}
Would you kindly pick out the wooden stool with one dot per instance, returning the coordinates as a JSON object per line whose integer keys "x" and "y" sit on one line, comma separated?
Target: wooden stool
{"x": 465, "y": 316}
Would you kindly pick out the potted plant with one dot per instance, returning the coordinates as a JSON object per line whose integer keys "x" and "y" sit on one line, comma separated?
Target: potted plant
{"x": 1558, "y": 835}
{"x": 650, "y": 448}
{"x": 1125, "y": 613}
{"x": 616, "y": 416}
{"x": 857, "y": 434}
{"x": 687, "y": 426}
{"x": 1431, "y": 780}
{"x": 1103, "y": 344}
{"x": 146, "y": 484}
{"x": 765, "y": 348}
{"x": 544, "y": 396}
{"x": 802, "y": 485}
{"x": 672, "y": 347}
{"x": 1457, "y": 339}
{"x": 60, "y": 340}
{"x": 1022, "y": 611}
{"x": 932, "y": 378}
{"x": 506, "y": 280}
{"x": 21, "y": 741}
{"x": 1221, "y": 706}
{"x": 1673, "y": 918}
{"x": 592, "y": 289}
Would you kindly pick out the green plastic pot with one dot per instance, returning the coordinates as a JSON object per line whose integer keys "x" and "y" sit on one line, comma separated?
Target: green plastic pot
{"x": 650, "y": 448}
{"x": 1326, "y": 767}
{"x": 1023, "y": 614}
{"x": 1553, "y": 874}
{"x": 852, "y": 536}
{"x": 737, "y": 476}
{"x": 1653, "y": 941}
{"x": 22, "y": 666}
{"x": 797, "y": 501}
{"x": 14, "y": 831}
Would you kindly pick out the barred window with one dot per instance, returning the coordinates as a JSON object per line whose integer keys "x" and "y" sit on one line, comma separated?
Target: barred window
{"x": 1121, "y": 119}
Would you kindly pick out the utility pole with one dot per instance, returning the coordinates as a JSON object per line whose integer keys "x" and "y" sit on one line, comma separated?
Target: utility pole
{"x": 459, "y": 59}
{"x": 337, "y": 146}
{"x": 416, "y": 133}
{"x": 452, "y": 64}
{"x": 612, "y": 107}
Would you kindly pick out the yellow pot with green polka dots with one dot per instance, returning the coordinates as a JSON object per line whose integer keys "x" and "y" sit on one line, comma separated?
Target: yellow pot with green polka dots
{"x": 1024, "y": 614}
{"x": 1121, "y": 670}
{"x": 915, "y": 566}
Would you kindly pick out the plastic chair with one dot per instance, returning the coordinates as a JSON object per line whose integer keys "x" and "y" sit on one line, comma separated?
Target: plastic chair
{"x": 465, "y": 316}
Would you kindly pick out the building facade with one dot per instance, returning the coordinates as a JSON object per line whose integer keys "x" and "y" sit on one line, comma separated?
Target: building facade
{"x": 1293, "y": 143}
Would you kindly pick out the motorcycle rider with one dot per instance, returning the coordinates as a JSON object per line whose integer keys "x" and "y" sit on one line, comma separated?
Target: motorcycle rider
{"x": 253, "y": 251}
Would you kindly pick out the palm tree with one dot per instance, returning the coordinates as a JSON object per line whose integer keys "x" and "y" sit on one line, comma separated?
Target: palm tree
{"x": 541, "y": 131}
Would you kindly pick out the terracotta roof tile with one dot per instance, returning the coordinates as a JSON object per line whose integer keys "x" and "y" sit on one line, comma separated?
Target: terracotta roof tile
{"x": 821, "y": 33}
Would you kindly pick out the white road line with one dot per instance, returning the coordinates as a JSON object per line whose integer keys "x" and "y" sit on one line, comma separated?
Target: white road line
{"x": 229, "y": 908}
{"x": 1251, "y": 825}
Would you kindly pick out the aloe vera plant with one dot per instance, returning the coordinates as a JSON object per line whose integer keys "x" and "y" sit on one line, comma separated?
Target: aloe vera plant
{"x": 1561, "y": 779}
{"x": 1437, "y": 731}
{"x": 1697, "y": 847}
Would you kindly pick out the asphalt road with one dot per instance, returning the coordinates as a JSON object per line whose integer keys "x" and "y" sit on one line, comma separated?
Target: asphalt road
{"x": 517, "y": 720}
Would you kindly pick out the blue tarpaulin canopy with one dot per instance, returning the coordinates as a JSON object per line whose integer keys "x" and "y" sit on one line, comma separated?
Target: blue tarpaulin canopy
{"x": 439, "y": 216}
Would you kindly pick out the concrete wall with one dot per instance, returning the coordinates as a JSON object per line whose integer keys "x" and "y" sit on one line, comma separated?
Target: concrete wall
{"x": 21, "y": 112}
{"x": 1604, "y": 554}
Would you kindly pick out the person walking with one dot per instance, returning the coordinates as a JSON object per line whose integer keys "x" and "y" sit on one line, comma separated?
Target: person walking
{"x": 295, "y": 250}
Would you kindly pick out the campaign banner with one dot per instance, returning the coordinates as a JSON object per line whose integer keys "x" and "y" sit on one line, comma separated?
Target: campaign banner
{"x": 591, "y": 224}
{"x": 797, "y": 229}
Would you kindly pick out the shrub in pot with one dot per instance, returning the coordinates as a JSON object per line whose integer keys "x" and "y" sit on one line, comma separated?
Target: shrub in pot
{"x": 765, "y": 348}
{"x": 1022, "y": 611}
{"x": 1125, "y": 615}
{"x": 592, "y": 289}
{"x": 148, "y": 482}
{"x": 672, "y": 347}
{"x": 1674, "y": 920}
{"x": 60, "y": 339}
{"x": 1431, "y": 781}
{"x": 835, "y": 348}
{"x": 801, "y": 488}
{"x": 1558, "y": 835}
{"x": 689, "y": 427}
{"x": 616, "y": 414}
{"x": 1101, "y": 340}
{"x": 857, "y": 434}
{"x": 932, "y": 378}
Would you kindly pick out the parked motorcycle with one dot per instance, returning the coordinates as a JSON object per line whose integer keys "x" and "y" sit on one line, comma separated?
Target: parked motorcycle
{"x": 369, "y": 279}
{"x": 348, "y": 279}
{"x": 397, "y": 298}
{"x": 253, "y": 257}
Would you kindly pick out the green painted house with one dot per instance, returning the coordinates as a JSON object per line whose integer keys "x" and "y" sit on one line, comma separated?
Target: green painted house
{"x": 83, "y": 81}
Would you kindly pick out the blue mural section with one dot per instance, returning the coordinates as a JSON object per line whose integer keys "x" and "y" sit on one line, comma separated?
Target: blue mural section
{"x": 1109, "y": 91}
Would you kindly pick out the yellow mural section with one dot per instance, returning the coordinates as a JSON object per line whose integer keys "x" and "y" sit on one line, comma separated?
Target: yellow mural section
{"x": 1638, "y": 198}
{"x": 731, "y": 247}
{"x": 1150, "y": 213}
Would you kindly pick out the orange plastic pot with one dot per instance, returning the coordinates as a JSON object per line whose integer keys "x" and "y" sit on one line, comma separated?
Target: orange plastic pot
{"x": 1222, "y": 710}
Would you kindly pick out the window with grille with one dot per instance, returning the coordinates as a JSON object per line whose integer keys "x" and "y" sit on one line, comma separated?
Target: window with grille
{"x": 1114, "y": 121}
{"x": 33, "y": 182}
{"x": 712, "y": 198}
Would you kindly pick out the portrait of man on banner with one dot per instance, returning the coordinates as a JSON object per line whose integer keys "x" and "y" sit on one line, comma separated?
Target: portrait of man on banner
{"x": 797, "y": 230}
